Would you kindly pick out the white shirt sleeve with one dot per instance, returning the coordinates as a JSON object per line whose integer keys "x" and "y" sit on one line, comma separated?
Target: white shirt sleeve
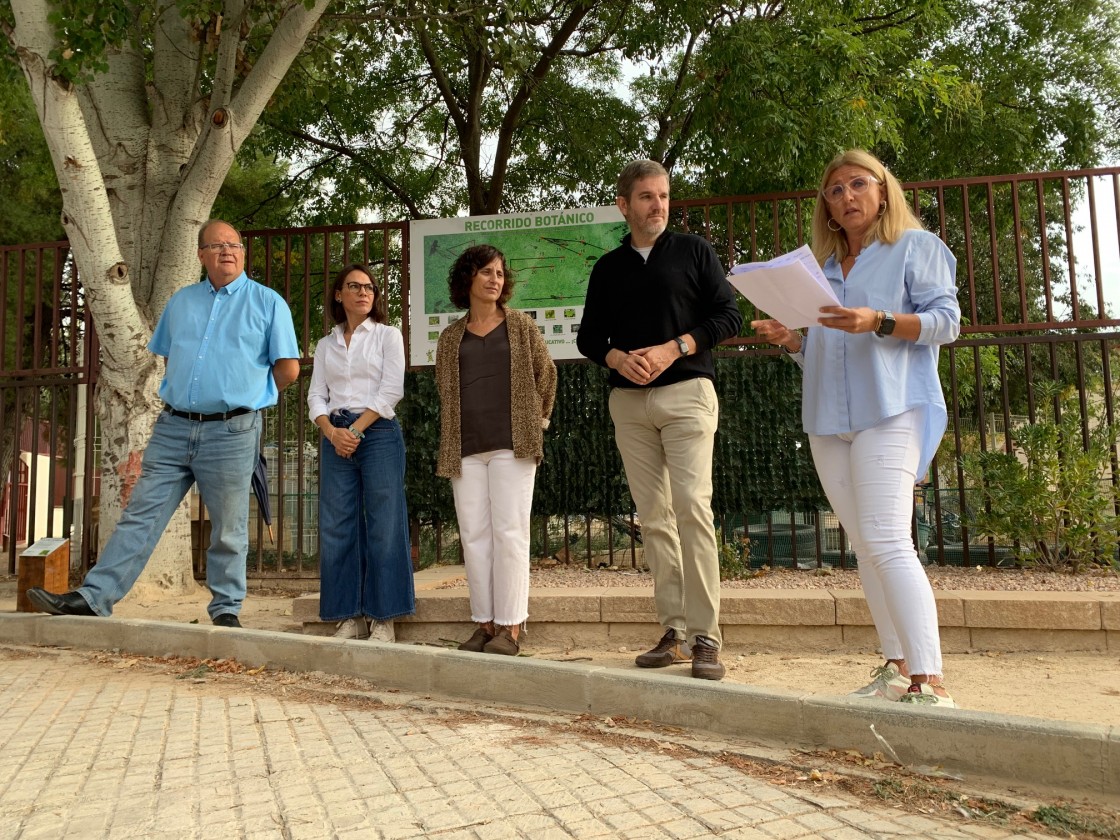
{"x": 385, "y": 358}
{"x": 318, "y": 395}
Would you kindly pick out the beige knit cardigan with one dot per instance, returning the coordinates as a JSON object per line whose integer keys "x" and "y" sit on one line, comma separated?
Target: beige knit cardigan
{"x": 532, "y": 376}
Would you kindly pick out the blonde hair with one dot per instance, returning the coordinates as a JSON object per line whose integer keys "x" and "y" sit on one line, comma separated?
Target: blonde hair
{"x": 895, "y": 218}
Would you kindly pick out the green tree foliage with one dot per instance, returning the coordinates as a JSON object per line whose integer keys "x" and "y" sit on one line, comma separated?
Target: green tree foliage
{"x": 531, "y": 104}
{"x": 491, "y": 108}
{"x": 254, "y": 194}
{"x": 772, "y": 92}
{"x": 937, "y": 88}
{"x": 1046, "y": 78}
{"x": 31, "y": 205}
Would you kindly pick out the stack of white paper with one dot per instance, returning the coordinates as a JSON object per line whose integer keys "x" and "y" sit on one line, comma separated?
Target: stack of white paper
{"x": 790, "y": 288}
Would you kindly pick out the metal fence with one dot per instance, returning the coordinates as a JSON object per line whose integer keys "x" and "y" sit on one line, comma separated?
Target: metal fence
{"x": 1038, "y": 265}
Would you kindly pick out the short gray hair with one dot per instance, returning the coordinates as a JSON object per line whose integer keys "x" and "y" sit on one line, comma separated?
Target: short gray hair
{"x": 635, "y": 172}
{"x": 209, "y": 223}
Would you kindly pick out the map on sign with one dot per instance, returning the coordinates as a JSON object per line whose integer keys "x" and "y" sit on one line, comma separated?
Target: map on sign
{"x": 551, "y": 255}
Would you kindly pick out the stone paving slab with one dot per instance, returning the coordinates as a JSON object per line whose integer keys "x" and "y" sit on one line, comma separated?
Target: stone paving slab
{"x": 93, "y": 752}
{"x": 1078, "y": 759}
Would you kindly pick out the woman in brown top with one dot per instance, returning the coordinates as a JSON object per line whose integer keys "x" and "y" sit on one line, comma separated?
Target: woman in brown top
{"x": 497, "y": 384}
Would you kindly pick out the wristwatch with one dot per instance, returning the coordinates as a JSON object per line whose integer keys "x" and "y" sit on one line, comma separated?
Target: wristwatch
{"x": 356, "y": 433}
{"x": 683, "y": 345}
{"x": 886, "y": 325}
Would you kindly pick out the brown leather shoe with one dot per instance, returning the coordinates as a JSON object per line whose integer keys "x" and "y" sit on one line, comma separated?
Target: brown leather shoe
{"x": 477, "y": 641}
{"x": 705, "y": 660}
{"x": 503, "y": 643}
{"x": 669, "y": 651}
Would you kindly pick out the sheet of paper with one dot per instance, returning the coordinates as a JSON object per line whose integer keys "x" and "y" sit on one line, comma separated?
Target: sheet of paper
{"x": 790, "y": 288}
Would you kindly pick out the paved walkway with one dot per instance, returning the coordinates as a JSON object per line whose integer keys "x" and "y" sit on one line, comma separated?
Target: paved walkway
{"x": 104, "y": 750}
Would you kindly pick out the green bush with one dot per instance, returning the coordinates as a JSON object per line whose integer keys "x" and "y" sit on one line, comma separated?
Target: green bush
{"x": 1053, "y": 495}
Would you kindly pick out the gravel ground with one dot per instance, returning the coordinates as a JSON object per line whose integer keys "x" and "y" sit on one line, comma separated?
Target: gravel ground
{"x": 946, "y": 578}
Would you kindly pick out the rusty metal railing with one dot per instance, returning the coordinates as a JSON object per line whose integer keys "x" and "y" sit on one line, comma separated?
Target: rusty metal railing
{"x": 1038, "y": 267}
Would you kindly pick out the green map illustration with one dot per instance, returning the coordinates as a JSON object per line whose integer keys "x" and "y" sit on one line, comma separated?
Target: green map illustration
{"x": 550, "y": 265}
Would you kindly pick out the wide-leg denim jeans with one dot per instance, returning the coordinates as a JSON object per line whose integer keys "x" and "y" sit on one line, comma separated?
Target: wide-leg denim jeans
{"x": 219, "y": 455}
{"x": 365, "y": 559}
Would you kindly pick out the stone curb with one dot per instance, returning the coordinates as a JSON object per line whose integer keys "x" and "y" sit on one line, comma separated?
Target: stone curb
{"x": 778, "y": 619}
{"x": 1056, "y": 757}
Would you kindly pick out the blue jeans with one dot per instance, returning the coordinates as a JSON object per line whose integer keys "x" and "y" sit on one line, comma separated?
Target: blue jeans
{"x": 219, "y": 455}
{"x": 365, "y": 560}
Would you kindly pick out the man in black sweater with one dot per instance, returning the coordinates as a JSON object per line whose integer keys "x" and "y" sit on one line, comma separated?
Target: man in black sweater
{"x": 655, "y": 308}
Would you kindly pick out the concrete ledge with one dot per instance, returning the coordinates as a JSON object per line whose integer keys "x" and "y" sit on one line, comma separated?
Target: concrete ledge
{"x": 1033, "y": 610}
{"x": 779, "y": 619}
{"x": 623, "y": 605}
{"x": 1110, "y": 610}
{"x": 1024, "y": 640}
{"x": 1068, "y": 759}
{"x": 781, "y": 607}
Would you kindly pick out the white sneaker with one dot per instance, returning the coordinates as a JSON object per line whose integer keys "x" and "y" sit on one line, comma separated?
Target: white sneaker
{"x": 352, "y": 628}
{"x": 382, "y": 631}
{"x": 887, "y": 683}
{"x": 924, "y": 695}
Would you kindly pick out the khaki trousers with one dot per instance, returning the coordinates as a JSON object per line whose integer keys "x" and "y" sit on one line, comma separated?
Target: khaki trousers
{"x": 666, "y": 436}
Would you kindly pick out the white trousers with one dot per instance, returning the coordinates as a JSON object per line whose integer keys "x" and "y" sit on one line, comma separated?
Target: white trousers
{"x": 868, "y": 477}
{"x": 493, "y": 499}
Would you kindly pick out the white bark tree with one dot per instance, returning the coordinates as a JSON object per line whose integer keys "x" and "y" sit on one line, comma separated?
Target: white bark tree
{"x": 142, "y": 136}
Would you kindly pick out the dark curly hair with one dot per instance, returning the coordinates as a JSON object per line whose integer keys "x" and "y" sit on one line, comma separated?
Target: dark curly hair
{"x": 378, "y": 312}
{"x": 467, "y": 265}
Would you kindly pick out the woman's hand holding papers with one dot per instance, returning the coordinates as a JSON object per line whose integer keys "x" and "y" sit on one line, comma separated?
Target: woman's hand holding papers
{"x": 861, "y": 320}
{"x": 778, "y": 333}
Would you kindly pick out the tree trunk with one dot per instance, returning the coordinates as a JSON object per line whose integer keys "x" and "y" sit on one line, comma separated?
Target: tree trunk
{"x": 140, "y": 152}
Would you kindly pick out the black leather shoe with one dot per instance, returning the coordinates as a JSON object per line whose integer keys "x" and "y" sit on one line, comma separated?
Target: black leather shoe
{"x": 226, "y": 620}
{"x": 68, "y": 603}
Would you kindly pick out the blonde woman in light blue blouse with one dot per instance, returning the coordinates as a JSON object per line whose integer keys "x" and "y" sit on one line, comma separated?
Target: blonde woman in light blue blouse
{"x": 872, "y": 403}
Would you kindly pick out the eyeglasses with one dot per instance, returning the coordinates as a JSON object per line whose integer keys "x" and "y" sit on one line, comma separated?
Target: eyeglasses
{"x": 360, "y": 288}
{"x": 857, "y": 185}
{"x": 221, "y": 246}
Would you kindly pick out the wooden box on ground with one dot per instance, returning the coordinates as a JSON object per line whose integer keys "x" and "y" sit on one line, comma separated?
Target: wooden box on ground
{"x": 45, "y": 564}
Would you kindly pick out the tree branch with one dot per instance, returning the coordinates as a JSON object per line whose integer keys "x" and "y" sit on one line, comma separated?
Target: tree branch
{"x": 521, "y": 98}
{"x": 396, "y": 189}
{"x": 229, "y": 41}
{"x": 86, "y": 213}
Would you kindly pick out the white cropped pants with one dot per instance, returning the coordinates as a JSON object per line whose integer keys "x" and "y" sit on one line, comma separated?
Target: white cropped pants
{"x": 868, "y": 477}
{"x": 493, "y": 499}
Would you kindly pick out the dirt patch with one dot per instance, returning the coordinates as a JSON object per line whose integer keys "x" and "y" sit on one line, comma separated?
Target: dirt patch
{"x": 1076, "y": 687}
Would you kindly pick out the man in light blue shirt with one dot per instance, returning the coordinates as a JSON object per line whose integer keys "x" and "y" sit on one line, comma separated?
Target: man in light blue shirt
{"x": 230, "y": 346}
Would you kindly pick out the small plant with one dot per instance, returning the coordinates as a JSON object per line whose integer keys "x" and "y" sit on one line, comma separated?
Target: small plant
{"x": 1061, "y": 818}
{"x": 735, "y": 560}
{"x": 1053, "y": 495}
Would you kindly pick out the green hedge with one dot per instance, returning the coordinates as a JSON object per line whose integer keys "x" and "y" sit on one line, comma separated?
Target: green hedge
{"x": 762, "y": 459}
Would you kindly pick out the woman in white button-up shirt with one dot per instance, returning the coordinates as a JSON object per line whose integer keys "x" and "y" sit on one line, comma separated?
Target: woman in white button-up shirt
{"x": 872, "y": 403}
{"x": 365, "y": 561}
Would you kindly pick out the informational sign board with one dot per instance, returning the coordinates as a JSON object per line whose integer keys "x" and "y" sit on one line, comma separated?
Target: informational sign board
{"x": 550, "y": 253}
